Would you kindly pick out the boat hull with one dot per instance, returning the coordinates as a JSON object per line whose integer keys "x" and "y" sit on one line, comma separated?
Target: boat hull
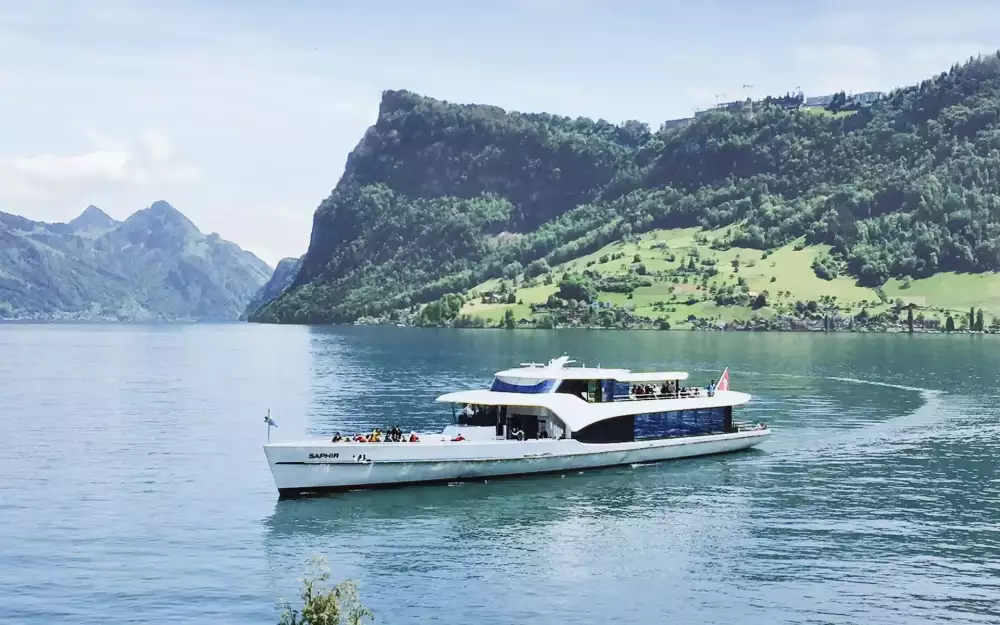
{"x": 317, "y": 467}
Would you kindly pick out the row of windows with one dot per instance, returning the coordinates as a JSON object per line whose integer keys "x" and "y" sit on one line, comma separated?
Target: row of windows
{"x": 679, "y": 423}
{"x": 656, "y": 425}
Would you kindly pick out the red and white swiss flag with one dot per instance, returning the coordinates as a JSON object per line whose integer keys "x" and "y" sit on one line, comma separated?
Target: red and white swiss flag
{"x": 723, "y": 384}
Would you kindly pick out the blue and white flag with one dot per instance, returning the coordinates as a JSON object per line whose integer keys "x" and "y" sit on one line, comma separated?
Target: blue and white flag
{"x": 270, "y": 422}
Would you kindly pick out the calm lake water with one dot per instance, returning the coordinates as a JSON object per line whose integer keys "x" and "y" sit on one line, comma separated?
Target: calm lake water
{"x": 133, "y": 487}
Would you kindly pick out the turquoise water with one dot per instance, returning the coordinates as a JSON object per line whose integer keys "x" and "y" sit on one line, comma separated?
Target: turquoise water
{"x": 133, "y": 487}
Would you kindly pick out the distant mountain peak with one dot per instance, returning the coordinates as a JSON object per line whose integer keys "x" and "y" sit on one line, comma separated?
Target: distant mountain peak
{"x": 166, "y": 210}
{"x": 164, "y": 213}
{"x": 92, "y": 218}
{"x": 162, "y": 206}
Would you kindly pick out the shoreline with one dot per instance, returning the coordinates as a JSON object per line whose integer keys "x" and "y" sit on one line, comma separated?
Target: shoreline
{"x": 639, "y": 328}
{"x": 674, "y": 329}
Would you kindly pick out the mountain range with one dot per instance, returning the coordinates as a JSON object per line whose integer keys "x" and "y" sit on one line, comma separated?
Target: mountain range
{"x": 441, "y": 198}
{"x": 155, "y": 265}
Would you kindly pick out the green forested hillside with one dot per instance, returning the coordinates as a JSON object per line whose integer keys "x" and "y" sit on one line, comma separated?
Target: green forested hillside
{"x": 439, "y": 197}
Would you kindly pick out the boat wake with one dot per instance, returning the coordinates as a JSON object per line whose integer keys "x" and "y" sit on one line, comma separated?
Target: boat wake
{"x": 867, "y": 436}
{"x": 902, "y": 387}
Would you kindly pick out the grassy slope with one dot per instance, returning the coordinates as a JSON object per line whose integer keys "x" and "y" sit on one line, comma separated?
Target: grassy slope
{"x": 819, "y": 110}
{"x": 953, "y": 291}
{"x": 790, "y": 270}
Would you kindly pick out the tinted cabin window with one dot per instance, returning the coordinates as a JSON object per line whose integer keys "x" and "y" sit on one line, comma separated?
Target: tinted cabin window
{"x": 615, "y": 430}
{"x": 670, "y": 424}
{"x": 574, "y": 387}
{"x": 542, "y": 386}
{"x": 658, "y": 425}
{"x": 481, "y": 416}
{"x": 614, "y": 391}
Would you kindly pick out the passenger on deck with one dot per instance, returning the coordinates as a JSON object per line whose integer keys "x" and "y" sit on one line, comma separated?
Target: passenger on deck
{"x": 711, "y": 388}
{"x": 458, "y": 438}
{"x": 465, "y": 416}
{"x": 517, "y": 433}
{"x": 336, "y": 437}
{"x": 414, "y": 438}
{"x": 542, "y": 432}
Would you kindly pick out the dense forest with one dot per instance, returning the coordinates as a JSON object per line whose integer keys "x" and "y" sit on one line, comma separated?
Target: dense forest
{"x": 438, "y": 197}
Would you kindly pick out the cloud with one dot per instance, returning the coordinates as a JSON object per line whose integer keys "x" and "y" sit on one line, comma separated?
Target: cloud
{"x": 49, "y": 179}
{"x": 859, "y": 45}
{"x": 840, "y": 66}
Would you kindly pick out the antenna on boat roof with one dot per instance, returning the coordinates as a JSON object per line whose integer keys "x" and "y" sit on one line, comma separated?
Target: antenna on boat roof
{"x": 560, "y": 362}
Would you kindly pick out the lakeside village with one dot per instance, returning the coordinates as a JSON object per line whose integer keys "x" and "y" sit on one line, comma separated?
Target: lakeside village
{"x": 592, "y": 300}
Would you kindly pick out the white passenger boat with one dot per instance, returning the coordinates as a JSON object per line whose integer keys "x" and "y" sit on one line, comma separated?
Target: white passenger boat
{"x": 534, "y": 419}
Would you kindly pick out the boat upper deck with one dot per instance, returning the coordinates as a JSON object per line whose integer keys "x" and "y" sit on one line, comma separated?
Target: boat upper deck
{"x": 556, "y": 369}
{"x": 581, "y": 396}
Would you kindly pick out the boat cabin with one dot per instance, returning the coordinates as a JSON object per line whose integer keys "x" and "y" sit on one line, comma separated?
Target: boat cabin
{"x": 593, "y": 405}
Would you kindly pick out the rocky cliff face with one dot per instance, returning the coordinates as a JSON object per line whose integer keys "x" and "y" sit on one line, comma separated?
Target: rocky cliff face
{"x": 155, "y": 265}
{"x": 282, "y": 278}
{"x": 435, "y": 194}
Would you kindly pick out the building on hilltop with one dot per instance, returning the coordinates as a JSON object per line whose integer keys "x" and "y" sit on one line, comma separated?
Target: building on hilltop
{"x": 819, "y": 100}
{"x": 866, "y": 97}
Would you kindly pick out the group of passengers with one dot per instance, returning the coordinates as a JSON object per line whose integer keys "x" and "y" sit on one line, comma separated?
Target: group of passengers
{"x": 392, "y": 435}
{"x": 668, "y": 390}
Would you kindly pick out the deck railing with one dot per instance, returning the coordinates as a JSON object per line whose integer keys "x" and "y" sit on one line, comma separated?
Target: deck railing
{"x": 691, "y": 394}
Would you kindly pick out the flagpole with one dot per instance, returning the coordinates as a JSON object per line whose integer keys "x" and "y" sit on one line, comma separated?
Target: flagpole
{"x": 267, "y": 422}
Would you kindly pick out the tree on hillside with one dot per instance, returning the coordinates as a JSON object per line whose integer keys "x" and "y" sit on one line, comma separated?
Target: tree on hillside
{"x": 536, "y": 268}
{"x": 949, "y": 324}
{"x": 980, "y": 321}
{"x": 578, "y": 289}
{"x": 508, "y": 319}
{"x": 838, "y": 102}
{"x": 511, "y": 270}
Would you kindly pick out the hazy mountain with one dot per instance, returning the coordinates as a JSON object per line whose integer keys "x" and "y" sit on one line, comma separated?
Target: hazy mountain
{"x": 155, "y": 265}
{"x": 280, "y": 280}
{"x": 91, "y": 219}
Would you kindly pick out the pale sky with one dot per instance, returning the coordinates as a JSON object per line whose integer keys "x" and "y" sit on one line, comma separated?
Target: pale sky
{"x": 241, "y": 113}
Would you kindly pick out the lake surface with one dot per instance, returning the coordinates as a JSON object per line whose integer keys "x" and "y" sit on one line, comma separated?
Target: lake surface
{"x": 133, "y": 487}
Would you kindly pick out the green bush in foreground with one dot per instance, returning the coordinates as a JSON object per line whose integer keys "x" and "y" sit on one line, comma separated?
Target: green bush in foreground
{"x": 322, "y": 605}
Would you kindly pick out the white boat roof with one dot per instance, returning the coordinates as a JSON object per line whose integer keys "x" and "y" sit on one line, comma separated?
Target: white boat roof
{"x": 652, "y": 376}
{"x": 556, "y": 369}
{"x": 578, "y": 413}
